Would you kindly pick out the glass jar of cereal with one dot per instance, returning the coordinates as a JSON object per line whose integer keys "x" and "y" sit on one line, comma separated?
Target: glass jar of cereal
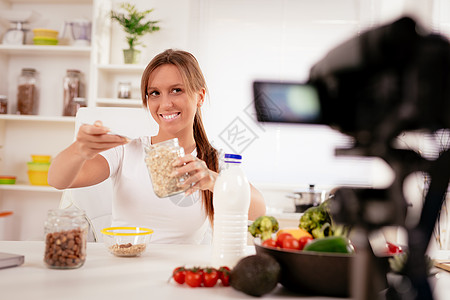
{"x": 159, "y": 158}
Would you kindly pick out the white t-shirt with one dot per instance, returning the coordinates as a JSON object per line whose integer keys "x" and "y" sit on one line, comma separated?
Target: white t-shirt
{"x": 176, "y": 219}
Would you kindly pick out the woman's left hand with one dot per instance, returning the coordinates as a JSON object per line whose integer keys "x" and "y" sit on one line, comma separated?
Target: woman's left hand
{"x": 200, "y": 177}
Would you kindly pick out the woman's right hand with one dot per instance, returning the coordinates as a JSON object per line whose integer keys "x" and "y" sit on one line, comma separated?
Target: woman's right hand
{"x": 93, "y": 139}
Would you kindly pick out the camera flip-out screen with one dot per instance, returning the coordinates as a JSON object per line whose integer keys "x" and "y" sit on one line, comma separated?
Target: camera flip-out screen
{"x": 286, "y": 102}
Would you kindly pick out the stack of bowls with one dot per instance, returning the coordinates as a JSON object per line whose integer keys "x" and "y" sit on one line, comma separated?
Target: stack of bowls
{"x": 44, "y": 36}
{"x": 7, "y": 179}
{"x": 38, "y": 169}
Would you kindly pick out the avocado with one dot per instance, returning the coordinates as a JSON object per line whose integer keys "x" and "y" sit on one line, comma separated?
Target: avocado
{"x": 255, "y": 275}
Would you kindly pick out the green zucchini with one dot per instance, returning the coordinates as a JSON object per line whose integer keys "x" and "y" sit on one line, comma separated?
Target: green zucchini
{"x": 333, "y": 244}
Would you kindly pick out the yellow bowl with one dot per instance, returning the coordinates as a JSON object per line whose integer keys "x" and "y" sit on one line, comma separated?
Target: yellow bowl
{"x": 127, "y": 241}
{"x": 48, "y": 33}
{"x": 40, "y": 158}
{"x": 38, "y": 177}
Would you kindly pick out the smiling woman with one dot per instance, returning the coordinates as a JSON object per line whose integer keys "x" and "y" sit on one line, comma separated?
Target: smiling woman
{"x": 170, "y": 104}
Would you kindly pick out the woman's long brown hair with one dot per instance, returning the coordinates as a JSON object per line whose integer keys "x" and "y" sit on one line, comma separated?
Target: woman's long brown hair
{"x": 194, "y": 81}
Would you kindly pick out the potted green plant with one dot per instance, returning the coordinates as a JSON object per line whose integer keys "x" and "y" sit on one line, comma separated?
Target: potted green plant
{"x": 135, "y": 26}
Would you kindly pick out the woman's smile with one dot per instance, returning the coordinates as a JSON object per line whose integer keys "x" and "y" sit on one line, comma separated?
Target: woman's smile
{"x": 170, "y": 116}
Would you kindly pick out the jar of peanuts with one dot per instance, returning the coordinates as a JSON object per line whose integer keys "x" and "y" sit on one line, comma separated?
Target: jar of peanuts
{"x": 65, "y": 238}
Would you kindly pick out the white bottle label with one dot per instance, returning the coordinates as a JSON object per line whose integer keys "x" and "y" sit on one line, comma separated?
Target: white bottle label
{"x": 232, "y": 192}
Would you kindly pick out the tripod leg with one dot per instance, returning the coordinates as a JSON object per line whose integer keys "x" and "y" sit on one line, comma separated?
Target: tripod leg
{"x": 368, "y": 272}
{"x": 419, "y": 236}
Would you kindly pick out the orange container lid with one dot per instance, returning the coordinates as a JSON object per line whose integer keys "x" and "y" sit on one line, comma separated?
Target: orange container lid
{"x": 5, "y": 213}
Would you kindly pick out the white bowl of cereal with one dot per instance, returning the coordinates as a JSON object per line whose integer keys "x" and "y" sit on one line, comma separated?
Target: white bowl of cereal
{"x": 127, "y": 241}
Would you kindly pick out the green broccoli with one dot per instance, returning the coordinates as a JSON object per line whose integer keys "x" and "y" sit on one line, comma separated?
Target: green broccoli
{"x": 263, "y": 227}
{"x": 317, "y": 220}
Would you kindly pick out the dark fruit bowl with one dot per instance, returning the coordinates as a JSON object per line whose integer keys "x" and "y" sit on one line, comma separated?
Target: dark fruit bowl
{"x": 326, "y": 274}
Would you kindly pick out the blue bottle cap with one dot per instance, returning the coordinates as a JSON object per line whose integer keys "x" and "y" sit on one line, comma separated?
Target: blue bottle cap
{"x": 234, "y": 156}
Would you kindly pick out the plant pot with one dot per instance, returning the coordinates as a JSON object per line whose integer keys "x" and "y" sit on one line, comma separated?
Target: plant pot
{"x": 131, "y": 56}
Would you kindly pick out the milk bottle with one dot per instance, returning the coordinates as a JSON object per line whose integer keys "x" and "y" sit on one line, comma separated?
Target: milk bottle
{"x": 231, "y": 202}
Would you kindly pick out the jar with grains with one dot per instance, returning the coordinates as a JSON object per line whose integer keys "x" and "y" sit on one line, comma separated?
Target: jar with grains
{"x": 27, "y": 92}
{"x": 159, "y": 158}
{"x": 73, "y": 88}
{"x": 65, "y": 238}
{"x": 3, "y": 104}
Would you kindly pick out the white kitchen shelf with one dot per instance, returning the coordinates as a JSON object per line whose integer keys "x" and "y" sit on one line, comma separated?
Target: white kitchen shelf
{"x": 119, "y": 102}
{"x": 52, "y": 1}
{"x": 110, "y": 75}
{"x": 122, "y": 68}
{"x": 28, "y": 188}
{"x": 34, "y": 118}
{"x": 44, "y": 50}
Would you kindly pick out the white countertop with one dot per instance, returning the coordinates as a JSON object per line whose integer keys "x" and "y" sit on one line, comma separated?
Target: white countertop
{"x": 104, "y": 276}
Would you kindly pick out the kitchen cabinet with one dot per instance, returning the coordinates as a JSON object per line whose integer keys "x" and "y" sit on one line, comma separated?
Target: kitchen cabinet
{"x": 101, "y": 63}
{"x": 48, "y": 132}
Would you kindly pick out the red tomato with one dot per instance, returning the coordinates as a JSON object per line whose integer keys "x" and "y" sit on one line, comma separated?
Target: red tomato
{"x": 270, "y": 243}
{"x": 210, "y": 277}
{"x": 303, "y": 241}
{"x": 281, "y": 237}
{"x": 224, "y": 275}
{"x": 393, "y": 249}
{"x": 291, "y": 243}
{"x": 179, "y": 275}
{"x": 194, "y": 277}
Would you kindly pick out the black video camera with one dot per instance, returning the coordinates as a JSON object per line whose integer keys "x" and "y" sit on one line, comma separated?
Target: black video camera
{"x": 388, "y": 80}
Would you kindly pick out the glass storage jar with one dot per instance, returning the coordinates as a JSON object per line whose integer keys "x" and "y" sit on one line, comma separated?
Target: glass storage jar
{"x": 159, "y": 158}
{"x": 27, "y": 92}
{"x": 3, "y": 104}
{"x": 65, "y": 238}
{"x": 124, "y": 90}
{"x": 79, "y": 102}
{"x": 73, "y": 88}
